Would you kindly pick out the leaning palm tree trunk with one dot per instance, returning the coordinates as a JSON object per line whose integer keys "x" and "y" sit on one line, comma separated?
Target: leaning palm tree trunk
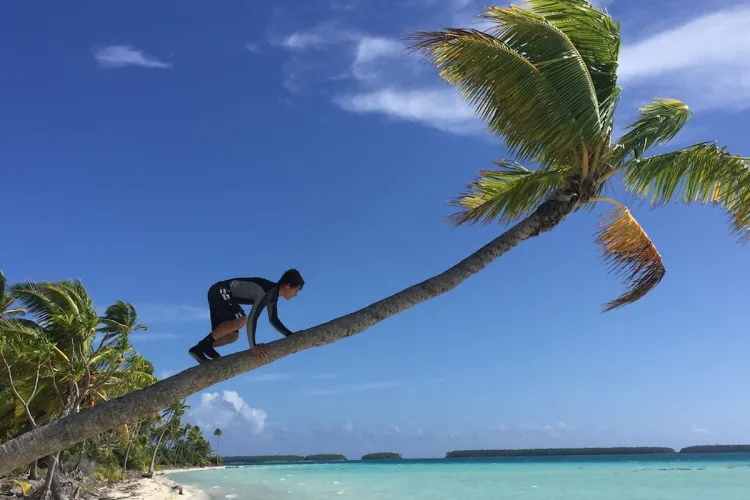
{"x": 51, "y": 487}
{"x": 80, "y": 455}
{"x": 125, "y": 462}
{"x": 150, "y": 472}
{"x": 33, "y": 475}
{"x": 127, "y": 451}
{"x": 67, "y": 431}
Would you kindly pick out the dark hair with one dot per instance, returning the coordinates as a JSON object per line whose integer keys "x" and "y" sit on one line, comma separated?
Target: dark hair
{"x": 293, "y": 278}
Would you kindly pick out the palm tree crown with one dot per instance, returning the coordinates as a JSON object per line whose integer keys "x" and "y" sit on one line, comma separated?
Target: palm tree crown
{"x": 544, "y": 78}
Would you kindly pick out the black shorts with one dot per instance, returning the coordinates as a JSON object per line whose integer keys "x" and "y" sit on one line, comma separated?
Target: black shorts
{"x": 223, "y": 305}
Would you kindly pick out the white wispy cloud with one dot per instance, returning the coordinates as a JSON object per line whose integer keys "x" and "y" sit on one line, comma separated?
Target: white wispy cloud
{"x": 343, "y": 389}
{"x": 379, "y": 75}
{"x": 705, "y": 61}
{"x": 153, "y": 337}
{"x": 441, "y": 108}
{"x": 344, "y": 5}
{"x": 699, "y": 430}
{"x": 317, "y": 37}
{"x": 222, "y": 409}
{"x": 270, "y": 377}
{"x": 556, "y": 430}
{"x": 369, "y": 50}
{"x": 120, "y": 56}
{"x": 325, "y": 376}
{"x": 170, "y": 313}
{"x": 299, "y": 41}
{"x": 253, "y": 48}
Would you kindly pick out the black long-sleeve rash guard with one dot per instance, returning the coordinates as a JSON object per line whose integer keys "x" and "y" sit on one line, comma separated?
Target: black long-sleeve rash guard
{"x": 261, "y": 293}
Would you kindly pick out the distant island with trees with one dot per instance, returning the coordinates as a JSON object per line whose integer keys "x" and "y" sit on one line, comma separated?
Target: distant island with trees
{"x": 382, "y": 456}
{"x": 718, "y": 448}
{"x": 631, "y": 450}
{"x": 532, "y": 452}
{"x": 321, "y": 457}
{"x": 547, "y": 452}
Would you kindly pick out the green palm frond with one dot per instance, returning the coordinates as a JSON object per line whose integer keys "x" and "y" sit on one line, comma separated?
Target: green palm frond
{"x": 657, "y": 124}
{"x": 7, "y": 299}
{"x": 105, "y": 357}
{"x": 631, "y": 255}
{"x": 120, "y": 318}
{"x": 60, "y": 295}
{"x": 594, "y": 33}
{"x": 506, "y": 194}
{"x": 62, "y": 308}
{"x": 507, "y": 91}
{"x": 137, "y": 363}
{"x": 18, "y": 328}
{"x": 33, "y": 297}
{"x": 702, "y": 173}
{"x": 77, "y": 293}
{"x": 7, "y": 312}
{"x": 597, "y": 37}
{"x": 558, "y": 60}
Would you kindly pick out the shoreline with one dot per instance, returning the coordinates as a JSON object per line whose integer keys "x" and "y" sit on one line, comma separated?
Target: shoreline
{"x": 191, "y": 469}
{"x": 160, "y": 487}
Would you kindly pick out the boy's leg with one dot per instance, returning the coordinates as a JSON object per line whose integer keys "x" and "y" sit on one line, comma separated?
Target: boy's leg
{"x": 227, "y": 317}
{"x": 227, "y": 339}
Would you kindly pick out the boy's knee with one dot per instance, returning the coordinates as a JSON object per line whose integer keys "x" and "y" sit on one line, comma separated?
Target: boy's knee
{"x": 233, "y": 336}
{"x": 239, "y": 323}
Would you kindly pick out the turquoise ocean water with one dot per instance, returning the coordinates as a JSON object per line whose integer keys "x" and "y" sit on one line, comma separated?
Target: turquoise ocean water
{"x": 665, "y": 477}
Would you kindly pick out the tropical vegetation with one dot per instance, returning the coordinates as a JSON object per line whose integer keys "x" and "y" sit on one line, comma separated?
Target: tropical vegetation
{"x": 59, "y": 357}
{"x": 388, "y": 455}
{"x": 717, "y": 448}
{"x": 542, "y": 77}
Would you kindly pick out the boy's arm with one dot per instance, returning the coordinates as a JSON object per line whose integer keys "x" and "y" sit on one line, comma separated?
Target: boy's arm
{"x": 252, "y": 323}
{"x": 273, "y": 317}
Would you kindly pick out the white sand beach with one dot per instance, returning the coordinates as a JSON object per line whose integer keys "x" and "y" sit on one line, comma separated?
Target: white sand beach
{"x": 160, "y": 487}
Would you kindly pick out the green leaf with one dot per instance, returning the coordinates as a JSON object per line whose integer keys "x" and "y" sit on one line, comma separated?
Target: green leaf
{"x": 702, "y": 173}
{"x": 25, "y": 487}
{"x": 596, "y": 36}
{"x": 506, "y": 194}
{"x": 32, "y": 296}
{"x": 505, "y": 90}
{"x": 657, "y": 124}
{"x": 558, "y": 60}
{"x": 525, "y": 79}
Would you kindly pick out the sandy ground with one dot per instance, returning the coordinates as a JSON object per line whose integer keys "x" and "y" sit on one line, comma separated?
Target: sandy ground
{"x": 160, "y": 487}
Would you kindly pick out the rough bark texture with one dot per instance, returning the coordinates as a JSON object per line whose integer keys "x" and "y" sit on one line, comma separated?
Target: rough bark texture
{"x": 70, "y": 430}
{"x": 33, "y": 475}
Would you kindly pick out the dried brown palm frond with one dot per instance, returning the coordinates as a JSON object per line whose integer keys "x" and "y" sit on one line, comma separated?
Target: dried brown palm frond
{"x": 630, "y": 254}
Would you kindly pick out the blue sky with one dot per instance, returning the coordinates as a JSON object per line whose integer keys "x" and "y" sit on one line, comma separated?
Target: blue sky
{"x": 151, "y": 150}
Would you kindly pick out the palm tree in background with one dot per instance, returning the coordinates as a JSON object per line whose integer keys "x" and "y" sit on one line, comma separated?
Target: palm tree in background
{"x": 6, "y": 301}
{"x": 172, "y": 416}
{"x": 218, "y": 434}
{"x": 544, "y": 79}
{"x": 65, "y": 358}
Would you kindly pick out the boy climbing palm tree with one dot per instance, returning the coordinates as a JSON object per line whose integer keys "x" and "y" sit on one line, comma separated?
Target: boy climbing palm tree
{"x": 227, "y": 315}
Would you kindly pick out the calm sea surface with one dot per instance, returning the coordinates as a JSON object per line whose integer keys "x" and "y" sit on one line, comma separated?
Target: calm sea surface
{"x": 634, "y": 477}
